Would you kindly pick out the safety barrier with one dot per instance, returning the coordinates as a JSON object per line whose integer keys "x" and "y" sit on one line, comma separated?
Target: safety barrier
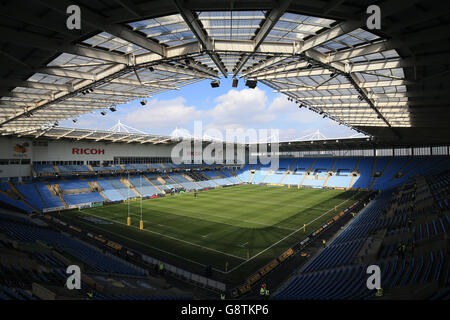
{"x": 186, "y": 275}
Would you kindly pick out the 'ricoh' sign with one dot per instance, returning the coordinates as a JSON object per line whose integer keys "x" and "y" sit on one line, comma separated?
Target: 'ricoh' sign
{"x": 87, "y": 151}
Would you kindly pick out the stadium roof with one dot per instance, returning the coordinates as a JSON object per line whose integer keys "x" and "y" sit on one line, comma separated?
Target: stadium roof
{"x": 391, "y": 83}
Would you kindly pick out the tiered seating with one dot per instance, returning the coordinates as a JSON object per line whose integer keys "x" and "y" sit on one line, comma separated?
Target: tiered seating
{"x": 338, "y": 273}
{"x": 157, "y": 166}
{"x": 44, "y": 169}
{"x": 334, "y": 268}
{"x": 312, "y": 182}
{"x": 230, "y": 177}
{"x": 86, "y": 253}
{"x": 216, "y": 178}
{"x": 339, "y": 181}
{"x": 73, "y": 184}
{"x": 154, "y": 179}
{"x": 260, "y": 173}
{"x": 188, "y": 185}
{"x": 73, "y": 168}
{"x": 83, "y": 198}
{"x": 144, "y": 187}
{"x": 275, "y": 177}
{"x": 108, "y": 169}
{"x": 31, "y": 195}
{"x": 244, "y": 173}
{"x": 109, "y": 191}
{"x": 137, "y": 167}
{"x": 121, "y": 188}
{"x": 394, "y": 167}
{"x": 15, "y": 203}
{"x": 365, "y": 169}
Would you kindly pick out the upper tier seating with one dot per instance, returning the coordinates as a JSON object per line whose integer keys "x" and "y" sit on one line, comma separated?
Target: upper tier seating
{"x": 43, "y": 168}
{"x": 73, "y": 168}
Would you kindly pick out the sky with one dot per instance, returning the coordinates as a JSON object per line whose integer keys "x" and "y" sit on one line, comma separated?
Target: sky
{"x": 215, "y": 110}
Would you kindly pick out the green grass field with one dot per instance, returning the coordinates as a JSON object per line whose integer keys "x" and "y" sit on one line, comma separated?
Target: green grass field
{"x": 245, "y": 226}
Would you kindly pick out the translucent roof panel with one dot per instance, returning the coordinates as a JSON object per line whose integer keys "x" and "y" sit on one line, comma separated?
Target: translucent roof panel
{"x": 169, "y": 30}
{"x": 295, "y": 27}
{"x": 236, "y": 25}
{"x": 109, "y": 42}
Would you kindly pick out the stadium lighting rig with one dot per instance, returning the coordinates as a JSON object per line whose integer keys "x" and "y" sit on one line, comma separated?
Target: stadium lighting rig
{"x": 215, "y": 83}
{"x": 251, "y": 83}
{"x": 143, "y": 102}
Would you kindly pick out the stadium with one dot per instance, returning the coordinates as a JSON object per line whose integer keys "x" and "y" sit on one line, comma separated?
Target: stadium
{"x": 95, "y": 213}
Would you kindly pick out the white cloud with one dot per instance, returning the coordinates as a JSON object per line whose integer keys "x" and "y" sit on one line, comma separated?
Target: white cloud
{"x": 242, "y": 108}
{"x": 281, "y": 104}
{"x": 163, "y": 114}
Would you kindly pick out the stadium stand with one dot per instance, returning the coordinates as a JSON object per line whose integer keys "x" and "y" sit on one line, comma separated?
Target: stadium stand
{"x": 379, "y": 173}
{"x": 30, "y": 270}
{"x": 375, "y": 237}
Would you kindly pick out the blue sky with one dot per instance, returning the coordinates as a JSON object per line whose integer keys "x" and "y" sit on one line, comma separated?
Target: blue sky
{"x": 217, "y": 108}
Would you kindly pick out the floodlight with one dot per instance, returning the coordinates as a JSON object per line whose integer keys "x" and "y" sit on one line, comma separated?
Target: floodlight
{"x": 215, "y": 83}
{"x": 143, "y": 102}
{"x": 103, "y": 113}
{"x": 235, "y": 83}
{"x": 251, "y": 83}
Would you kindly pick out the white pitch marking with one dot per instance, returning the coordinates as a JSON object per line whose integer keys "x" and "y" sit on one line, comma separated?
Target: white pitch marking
{"x": 243, "y": 245}
{"x": 289, "y": 235}
{"x": 174, "y": 238}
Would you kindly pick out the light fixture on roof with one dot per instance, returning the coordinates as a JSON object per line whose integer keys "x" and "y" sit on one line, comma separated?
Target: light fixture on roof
{"x": 143, "y": 102}
{"x": 302, "y": 105}
{"x": 56, "y": 124}
{"x": 113, "y": 109}
{"x": 215, "y": 83}
{"x": 103, "y": 113}
{"x": 332, "y": 74}
{"x": 151, "y": 69}
{"x": 309, "y": 66}
{"x": 74, "y": 120}
{"x": 360, "y": 98}
{"x": 251, "y": 83}
{"x": 235, "y": 83}
{"x": 83, "y": 92}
